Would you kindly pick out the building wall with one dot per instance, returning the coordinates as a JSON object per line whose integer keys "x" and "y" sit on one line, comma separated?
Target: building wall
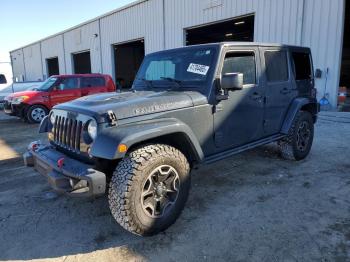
{"x": 32, "y": 62}
{"x": 83, "y": 39}
{"x": 322, "y": 31}
{"x": 53, "y": 47}
{"x": 314, "y": 23}
{"x": 275, "y": 20}
{"x": 17, "y": 61}
{"x": 142, "y": 21}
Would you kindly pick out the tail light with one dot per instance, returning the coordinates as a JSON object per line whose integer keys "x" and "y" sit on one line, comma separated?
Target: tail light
{"x": 313, "y": 92}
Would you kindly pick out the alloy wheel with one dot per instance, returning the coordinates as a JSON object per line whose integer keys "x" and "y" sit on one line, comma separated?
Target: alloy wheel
{"x": 160, "y": 191}
{"x": 303, "y": 136}
{"x": 38, "y": 114}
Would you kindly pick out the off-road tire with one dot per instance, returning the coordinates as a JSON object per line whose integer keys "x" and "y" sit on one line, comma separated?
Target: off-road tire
{"x": 28, "y": 115}
{"x": 288, "y": 145}
{"x": 129, "y": 178}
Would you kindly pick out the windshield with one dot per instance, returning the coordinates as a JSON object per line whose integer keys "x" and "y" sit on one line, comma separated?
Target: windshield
{"x": 47, "y": 84}
{"x": 188, "y": 67}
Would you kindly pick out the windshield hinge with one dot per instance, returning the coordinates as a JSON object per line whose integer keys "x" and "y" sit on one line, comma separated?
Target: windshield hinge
{"x": 112, "y": 118}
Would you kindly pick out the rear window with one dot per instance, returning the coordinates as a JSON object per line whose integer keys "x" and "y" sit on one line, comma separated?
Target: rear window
{"x": 302, "y": 66}
{"x": 92, "y": 81}
{"x": 276, "y": 66}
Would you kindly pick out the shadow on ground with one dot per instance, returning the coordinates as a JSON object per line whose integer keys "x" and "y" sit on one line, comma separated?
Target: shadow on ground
{"x": 251, "y": 207}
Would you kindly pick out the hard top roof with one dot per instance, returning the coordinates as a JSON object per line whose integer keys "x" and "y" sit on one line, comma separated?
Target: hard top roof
{"x": 244, "y": 44}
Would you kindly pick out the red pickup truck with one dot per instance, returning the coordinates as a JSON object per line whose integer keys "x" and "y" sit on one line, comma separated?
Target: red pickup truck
{"x": 34, "y": 105}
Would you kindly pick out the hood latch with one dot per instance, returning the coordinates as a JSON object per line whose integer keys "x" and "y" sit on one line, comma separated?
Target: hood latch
{"x": 112, "y": 118}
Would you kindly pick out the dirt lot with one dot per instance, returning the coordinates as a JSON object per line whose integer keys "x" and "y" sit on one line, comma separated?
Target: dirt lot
{"x": 251, "y": 207}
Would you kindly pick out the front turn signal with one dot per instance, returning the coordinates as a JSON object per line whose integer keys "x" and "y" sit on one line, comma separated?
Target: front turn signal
{"x": 122, "y": 148}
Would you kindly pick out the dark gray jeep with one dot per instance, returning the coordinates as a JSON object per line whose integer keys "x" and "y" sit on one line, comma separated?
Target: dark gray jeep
{"x": 188, "y": 106}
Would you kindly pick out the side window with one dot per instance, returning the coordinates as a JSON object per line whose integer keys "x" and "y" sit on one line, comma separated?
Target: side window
{"x": 158, "y": 69}
{"x": 241, "y": 62}
{"x": 276, "y": 66}
{"x": 92, "y": 81}
{"x": 302, "y": 66}
{"x": 68, "y": 83}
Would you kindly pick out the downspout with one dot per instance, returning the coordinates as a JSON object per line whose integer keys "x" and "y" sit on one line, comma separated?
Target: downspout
{"x": 302, "y": 23}
{"x": 42, "y": 65}
{"x": 99, "y": 35}
{"x": 24, "y": 65}
{"x": 164, "y": 43}
{"x": 64, "y": 55}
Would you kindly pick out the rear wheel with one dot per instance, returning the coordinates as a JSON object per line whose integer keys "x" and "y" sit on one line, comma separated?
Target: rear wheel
{"x": 297, "y": 145}
{"x": 149, "y": 189}
{"x": 36, "y": 113}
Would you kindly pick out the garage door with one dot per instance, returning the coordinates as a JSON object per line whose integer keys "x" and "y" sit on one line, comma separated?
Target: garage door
{"x": 235, "y": 29}
{"x": 82, "y": 63}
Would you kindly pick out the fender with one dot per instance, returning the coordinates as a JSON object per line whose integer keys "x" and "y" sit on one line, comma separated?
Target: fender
{"x": 106, "y": 142}
{"x": 294, "y": 108}
{"x": 44, "y": 126}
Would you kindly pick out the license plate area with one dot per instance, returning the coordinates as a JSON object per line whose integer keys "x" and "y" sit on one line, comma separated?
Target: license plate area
{"x": 42, "y": 167}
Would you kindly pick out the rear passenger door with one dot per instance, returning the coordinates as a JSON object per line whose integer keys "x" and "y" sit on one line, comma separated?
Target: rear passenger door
{"x": 279, "y": 89}
{"x": 92, "y": 85}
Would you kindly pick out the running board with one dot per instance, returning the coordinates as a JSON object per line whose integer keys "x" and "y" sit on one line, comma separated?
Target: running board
{"x": 231, "y": 152}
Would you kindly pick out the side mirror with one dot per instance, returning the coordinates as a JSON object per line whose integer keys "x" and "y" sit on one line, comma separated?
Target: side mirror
{"x": 3, "y": 79}
{"x": 318, "y": 73}
{"x": 232, "y": 81}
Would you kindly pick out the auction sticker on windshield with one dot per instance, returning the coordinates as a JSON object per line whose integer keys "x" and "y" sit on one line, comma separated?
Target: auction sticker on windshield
{"x": 198, "y": 69}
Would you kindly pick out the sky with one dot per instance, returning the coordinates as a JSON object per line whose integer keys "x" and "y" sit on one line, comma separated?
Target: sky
{"x": 25, "y": 21}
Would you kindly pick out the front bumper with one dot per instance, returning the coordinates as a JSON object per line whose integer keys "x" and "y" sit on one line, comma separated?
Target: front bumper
{"x": 64, "y": 174}
{"x": 14, "y": 109}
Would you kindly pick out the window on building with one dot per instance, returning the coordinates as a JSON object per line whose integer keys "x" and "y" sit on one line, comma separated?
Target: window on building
{"x": 3, "y": 79}
{"x": 302, "y": 66}
{"x": 241, "y": 62}
{"x": 276, "y": 66}
{"x": 92, "y": 81}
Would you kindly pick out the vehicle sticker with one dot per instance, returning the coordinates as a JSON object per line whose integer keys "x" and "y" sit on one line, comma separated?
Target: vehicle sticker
{"x": 198, "y": 69}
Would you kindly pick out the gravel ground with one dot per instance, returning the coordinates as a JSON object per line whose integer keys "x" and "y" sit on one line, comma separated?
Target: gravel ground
{"x": 251, "y": 207}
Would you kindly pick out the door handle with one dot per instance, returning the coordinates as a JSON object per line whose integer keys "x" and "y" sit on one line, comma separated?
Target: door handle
{"x": 285, "y": 91}
{"x": 256, "y": 96}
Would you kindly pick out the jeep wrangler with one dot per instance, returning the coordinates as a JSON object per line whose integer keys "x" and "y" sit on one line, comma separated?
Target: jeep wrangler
{"x": 187, "y": 106}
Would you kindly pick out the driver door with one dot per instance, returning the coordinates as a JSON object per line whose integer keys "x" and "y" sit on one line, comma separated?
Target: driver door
{"x": 239, "y": 119}
{"x": 65, "y": 90}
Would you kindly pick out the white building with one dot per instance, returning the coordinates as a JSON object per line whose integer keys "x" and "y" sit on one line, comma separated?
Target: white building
{"x": 115, "y": 43}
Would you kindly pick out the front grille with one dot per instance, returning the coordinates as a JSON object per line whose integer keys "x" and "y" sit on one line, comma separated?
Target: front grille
{"x": 67, "y": 132}
{"x": 7, "y": 104}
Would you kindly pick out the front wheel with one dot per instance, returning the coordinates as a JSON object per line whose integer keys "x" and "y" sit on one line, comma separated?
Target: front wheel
{"x": 36, "y": 113}
{"x": 297, "y": 145}
{"x": 149, "y": 189}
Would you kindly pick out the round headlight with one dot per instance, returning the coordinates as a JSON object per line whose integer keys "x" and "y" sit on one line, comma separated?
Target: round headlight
{"x": 52, "y": 118}
{"x": 92, "y": 129}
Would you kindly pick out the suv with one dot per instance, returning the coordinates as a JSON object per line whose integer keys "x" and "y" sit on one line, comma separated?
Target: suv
{"x": 188, "y": 106}
{"x": 34, "y": 104}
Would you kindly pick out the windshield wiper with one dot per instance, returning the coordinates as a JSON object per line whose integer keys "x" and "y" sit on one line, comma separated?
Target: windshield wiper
{"x": 178, "y": 82}
{"x": 148, "y": 82}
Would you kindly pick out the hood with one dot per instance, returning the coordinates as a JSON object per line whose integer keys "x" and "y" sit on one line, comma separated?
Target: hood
{"x": 29, "y": 93}
{"x": 129, "y": 104}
